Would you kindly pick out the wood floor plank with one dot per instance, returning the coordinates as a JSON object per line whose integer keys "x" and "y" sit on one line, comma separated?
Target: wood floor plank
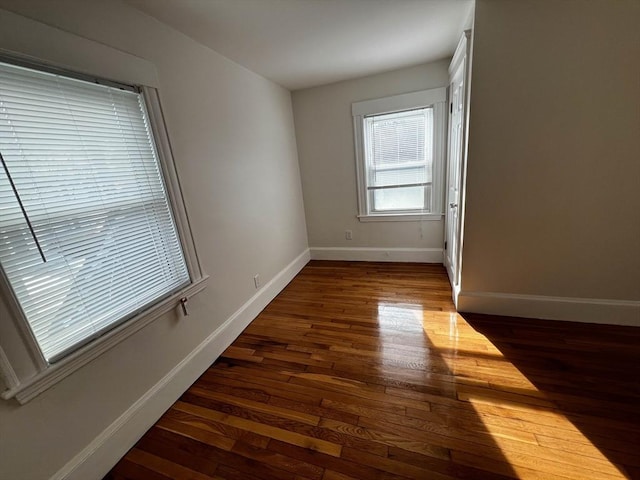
{"x": 266, "y": 430}
{"x": 129, "y": 470}
{"x": 321, "y": 411}
{"x": 283, "y": 462}
{"x": 331, "y": 475}
{"x": 365, "y": 371}
{"x": 164, "y": 466}
{"x": 186, "y": 430}
{"x": 208, "y": 425}
{"x": 390, "y": 439}
{"x": 260, "y": 407}
{"x": 354, "y": 469}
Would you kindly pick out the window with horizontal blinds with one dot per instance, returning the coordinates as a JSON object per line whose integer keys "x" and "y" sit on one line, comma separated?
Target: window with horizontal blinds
{"x": 399, "y": 159}
{"x": 87, "y": 237}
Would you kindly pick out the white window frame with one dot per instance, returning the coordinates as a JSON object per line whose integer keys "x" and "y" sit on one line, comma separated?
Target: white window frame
{"x": 435, "y": 98}
{"x": 23, "y": 369}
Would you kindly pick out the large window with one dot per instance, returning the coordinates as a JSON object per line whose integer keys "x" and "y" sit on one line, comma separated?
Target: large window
{"x": 399, "y": 150}
{"x": 88, "y": 236}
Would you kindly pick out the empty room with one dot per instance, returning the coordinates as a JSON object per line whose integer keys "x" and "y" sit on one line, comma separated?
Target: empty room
{"x": 319, "y": 239}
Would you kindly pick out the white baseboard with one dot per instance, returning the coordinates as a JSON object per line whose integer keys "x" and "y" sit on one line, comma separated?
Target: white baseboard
{"x": 366, "y": 254}
{"x": 95, "y": 460}
{"x": 587, "y": 310}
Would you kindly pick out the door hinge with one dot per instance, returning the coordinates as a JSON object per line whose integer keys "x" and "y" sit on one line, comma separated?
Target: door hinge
{"x": 445, "y": 245}
{"x": 451, "y": 107}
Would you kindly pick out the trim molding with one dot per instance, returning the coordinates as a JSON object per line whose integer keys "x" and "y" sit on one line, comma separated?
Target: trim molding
{"x": 403, "y": 101}
{"x": 7, "y": 373}
{"x": 367, "y": 254}
{"x": 97, "y": 458}
{"x": 418, "y": 217}
{"x": 32, "y": 387}
{"x": 585, "y": 310}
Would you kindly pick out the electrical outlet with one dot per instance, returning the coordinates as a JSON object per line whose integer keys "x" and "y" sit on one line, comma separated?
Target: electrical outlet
{"x": 256, "y": 280}
{"x": 348, "y": 234}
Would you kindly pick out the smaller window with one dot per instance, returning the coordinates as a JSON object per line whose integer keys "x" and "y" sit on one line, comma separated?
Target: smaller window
{"x": 399, "y": 154}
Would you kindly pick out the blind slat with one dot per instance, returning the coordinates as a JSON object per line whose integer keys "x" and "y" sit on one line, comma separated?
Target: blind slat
{"x": 399, "y": 159}
{"x": 83, "y": 162}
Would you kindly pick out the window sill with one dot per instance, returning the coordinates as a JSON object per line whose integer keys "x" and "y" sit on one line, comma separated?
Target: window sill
{"x": 401, "y": 217}
{"x": 31, "y": 387}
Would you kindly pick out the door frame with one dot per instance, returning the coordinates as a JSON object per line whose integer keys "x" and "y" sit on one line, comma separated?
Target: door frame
{"x": 461, "y": 55}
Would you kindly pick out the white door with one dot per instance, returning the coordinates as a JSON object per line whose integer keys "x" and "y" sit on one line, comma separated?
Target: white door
{"x": 455, "y": 161}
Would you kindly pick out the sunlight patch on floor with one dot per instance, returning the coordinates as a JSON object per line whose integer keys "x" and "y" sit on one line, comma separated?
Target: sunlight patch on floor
{"x": 534, "y": 427}
{"x": 524, "y": 425}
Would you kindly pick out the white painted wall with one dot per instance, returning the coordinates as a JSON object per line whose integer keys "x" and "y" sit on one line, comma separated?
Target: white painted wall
{"x": 553, "y": 183}
{"x": 233, "y": 140}
{"x": 324, "y": 132}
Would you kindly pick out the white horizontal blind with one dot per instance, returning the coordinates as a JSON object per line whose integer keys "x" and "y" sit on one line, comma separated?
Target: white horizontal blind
{"x": 83, "y": 165}
{"x": 399, "y": 153}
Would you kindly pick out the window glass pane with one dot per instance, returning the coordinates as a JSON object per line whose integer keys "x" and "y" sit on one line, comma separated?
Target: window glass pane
{"x": 82, "y": 160}
{"x": 399, "y": 152}
{"x": 404, "y": 175}
{"x": 402, "y": 198}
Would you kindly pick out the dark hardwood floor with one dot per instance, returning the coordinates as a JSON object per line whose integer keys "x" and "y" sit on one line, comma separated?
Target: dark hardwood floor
{"x": 366, "y": 371}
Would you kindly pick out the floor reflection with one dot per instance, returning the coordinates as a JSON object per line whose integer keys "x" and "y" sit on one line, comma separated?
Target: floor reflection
{"x": 365, "y": 370}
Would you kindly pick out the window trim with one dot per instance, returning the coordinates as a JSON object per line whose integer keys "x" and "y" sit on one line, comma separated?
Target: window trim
{"x": 47, "y": 375}
{"x": 25, "y": 390}
{"x": 436, "y": 98}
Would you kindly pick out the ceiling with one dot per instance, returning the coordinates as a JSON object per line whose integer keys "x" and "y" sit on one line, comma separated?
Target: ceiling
{"x": 304, "y": 43}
